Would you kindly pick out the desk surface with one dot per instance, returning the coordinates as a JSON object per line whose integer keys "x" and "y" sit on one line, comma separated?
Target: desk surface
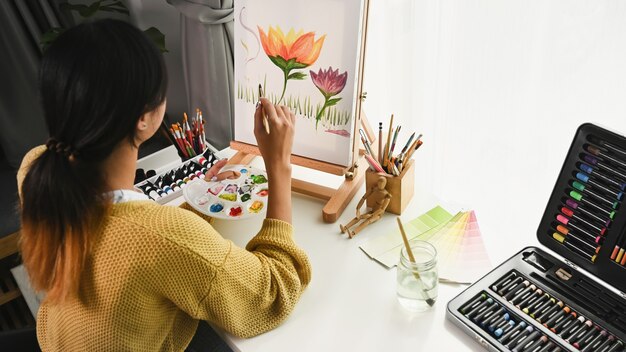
{"x": 351, "y": 302}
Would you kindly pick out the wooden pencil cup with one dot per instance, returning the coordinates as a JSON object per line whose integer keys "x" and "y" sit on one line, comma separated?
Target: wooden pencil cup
{"x": 400, "y": 187}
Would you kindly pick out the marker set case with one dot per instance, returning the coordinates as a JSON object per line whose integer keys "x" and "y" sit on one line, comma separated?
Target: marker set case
{"x": 573, "y": 300}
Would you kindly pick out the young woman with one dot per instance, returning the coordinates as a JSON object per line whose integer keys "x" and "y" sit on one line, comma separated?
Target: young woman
{"x": 121, "y": 272}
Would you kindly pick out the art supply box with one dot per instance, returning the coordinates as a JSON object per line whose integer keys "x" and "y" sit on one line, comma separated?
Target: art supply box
{"x": 401, "y": 187}
{"x": 574, "y": 300}
{"x": 168, "y": 184}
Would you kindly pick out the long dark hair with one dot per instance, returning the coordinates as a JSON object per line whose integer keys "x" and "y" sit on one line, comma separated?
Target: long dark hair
{"x": 96, "y": 80}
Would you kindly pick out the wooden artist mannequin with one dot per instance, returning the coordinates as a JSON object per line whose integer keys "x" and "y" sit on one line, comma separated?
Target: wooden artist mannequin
{"x": 380, "y": 198}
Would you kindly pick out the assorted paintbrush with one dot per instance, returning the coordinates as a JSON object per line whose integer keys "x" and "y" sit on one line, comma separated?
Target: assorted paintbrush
{"x": 385, "y": 160}
{"x": 188, "y": 136}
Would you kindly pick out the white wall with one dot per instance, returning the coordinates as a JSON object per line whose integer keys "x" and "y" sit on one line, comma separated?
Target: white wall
{"x": 498, "y": 88}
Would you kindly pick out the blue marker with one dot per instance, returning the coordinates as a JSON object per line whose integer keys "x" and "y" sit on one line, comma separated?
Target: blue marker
{"x": 587, "y": 179}
{"x": 598, "y": 174}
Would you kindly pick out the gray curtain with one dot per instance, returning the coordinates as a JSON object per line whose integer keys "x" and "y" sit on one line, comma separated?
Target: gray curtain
{"x": 22, "y": 23}
{"x": 207, "y": 51}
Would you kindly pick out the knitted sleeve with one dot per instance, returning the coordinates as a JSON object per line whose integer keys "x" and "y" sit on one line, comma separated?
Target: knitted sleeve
{"x": 245, "y": 291}
{"x": 257, "y": 288}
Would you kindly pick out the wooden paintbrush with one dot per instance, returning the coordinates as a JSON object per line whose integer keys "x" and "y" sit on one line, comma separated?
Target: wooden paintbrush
{"x": 429, "y": 300}
{"x": 265, "y": 122}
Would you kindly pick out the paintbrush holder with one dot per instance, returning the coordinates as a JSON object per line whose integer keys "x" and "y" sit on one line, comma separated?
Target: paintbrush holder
{"x": 401, "y": 187}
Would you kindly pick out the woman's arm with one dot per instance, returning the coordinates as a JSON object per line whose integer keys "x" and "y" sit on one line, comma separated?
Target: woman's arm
{"x": 276, "y": 151}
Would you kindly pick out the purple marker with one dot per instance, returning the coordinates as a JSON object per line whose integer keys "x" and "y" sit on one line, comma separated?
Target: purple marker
{"x": 595, "y": 161}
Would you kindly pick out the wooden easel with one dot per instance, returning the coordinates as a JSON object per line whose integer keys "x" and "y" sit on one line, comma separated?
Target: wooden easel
{"x": 336, "y": 199}
{"x": 354, "y": 175}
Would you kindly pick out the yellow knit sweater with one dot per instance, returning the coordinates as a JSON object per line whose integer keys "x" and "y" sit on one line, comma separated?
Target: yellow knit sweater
{"x": 154, "y": 271}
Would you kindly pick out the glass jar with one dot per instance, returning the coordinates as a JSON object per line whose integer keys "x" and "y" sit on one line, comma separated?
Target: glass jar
{"x": 418, "y": 282}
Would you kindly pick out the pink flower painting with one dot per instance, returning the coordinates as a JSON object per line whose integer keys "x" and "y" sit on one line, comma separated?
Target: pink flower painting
{"x": 330, "y": 83}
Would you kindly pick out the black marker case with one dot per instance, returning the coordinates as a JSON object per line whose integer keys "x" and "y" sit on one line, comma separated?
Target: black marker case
{"x": 576, "y": 301}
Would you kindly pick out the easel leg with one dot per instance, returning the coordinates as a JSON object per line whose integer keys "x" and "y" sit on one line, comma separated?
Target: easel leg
{"x": 339, "y": 201}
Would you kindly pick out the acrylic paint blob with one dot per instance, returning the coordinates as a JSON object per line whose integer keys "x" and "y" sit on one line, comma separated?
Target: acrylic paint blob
{"x": 230, "y": 199}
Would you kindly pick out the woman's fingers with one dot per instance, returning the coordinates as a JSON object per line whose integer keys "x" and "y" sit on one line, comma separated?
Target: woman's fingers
{"x": 227, "y": 175}
{"x": 215, "y": 169}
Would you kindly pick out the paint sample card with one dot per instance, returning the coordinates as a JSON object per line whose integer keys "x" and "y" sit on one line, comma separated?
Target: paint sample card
{"x": 461, "y": 253}
{"x": 308, "y": 63}
{"x": 230, "y": 199}
{"x": 386, "y": 249}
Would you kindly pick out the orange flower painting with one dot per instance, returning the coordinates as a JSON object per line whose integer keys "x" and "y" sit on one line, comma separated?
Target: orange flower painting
{"x": 293, "y": 51}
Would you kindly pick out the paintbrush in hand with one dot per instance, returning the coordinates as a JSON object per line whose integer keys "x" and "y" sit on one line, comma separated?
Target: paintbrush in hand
{"x": 265, "y": 122}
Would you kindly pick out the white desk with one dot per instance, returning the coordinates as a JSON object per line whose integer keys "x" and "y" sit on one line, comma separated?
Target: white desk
{"x": 350, "y": 304}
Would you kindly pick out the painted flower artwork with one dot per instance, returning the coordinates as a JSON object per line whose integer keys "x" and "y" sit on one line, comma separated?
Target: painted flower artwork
{"x": 306, "y": 56}
{"x": 290, "y": 52}
{"x": 329, "y": 83}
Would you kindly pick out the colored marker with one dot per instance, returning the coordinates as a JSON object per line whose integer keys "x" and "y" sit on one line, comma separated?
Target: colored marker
{"x": 613, "y": 148}
{"x": 564, "y": 323}
{"x": 579, "y": 331}
{"x": 606, "y": 343}
{"x": 503, "y": 330}
{"x": 589, "y": 212}
{"x": 617, "y": 346}
{"x": 516, "y": 290}
{"x": 480, "y": 308}
{"x": 590, "y": 223}
{"x": 520, "y": 337}
{"x": 547, "y": 347}
{"x": 587, "y": 179}
{"x": 535, "y": 345}
{"x": 522, "y": 294}
{"x": 473, "y": 304}
{"x": 579, "y": 197}
{"x": 597, "y": 152}
{"x": 600, "y": 175}
{"x": 572, "y": 327}
{"x": 587, "y": 337}
{"x": 557, "y": 317}
{"x": 539, "y": 302}
{"x": 577, "y": 224}
{"x": 595, "y": 161}
{"x": 512, "y": 332}
{"x": 573, "y": 241}
{"x": 585, "y": 189}
{"x": 530, "y": 299}
{"x": 504, "y": 281}
{"x": 494, "y": 312}
{"x": 575, "y": 248}
{"x": 510, "y": 285}
{"x": 580, "y": 235}
{"x": 551, "y": 311}
{"x": 486, "y": 312}
{"x": 491, "y": 326}
{"x": 591, "y": 346}
{"x": 542, "y": 309}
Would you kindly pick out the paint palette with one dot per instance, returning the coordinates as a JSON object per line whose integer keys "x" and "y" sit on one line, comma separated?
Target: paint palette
{"x": 230, "y": 199}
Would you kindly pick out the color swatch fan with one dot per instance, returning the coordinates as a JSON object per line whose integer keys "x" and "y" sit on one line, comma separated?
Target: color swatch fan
{"x": 461, "y": 251}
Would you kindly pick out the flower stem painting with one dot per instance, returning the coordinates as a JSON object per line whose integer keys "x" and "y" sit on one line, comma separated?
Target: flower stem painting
{"x": 329, "y": 83}
{"x": 307, "y": 63}
{"x": 291, "y": 52}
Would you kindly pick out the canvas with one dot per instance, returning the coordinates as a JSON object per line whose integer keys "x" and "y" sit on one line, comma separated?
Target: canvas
{"x": 305, "y": 54}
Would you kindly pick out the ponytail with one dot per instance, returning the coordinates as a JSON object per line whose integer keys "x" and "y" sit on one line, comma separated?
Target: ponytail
{"x": 96, "y": 80}
{"x": 62, "y": 208}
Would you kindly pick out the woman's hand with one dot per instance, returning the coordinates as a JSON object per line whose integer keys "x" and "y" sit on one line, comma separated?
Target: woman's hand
{"x": 276, "y": 146}
{"x": 213, "y": 175}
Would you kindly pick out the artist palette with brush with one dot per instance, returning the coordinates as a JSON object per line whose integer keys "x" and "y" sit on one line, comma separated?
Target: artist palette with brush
{"x": 230, "y": 199}
{"x": 572, "y": 300}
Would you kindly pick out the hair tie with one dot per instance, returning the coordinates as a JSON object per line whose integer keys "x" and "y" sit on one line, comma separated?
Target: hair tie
{"x": 61, "y": 148}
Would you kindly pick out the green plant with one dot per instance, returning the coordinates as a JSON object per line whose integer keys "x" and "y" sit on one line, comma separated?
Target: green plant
{"x": 87, "y": 11}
